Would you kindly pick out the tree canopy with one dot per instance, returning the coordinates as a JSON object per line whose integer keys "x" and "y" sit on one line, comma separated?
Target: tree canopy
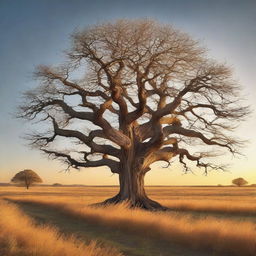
{"x": 26, "y": 178}
{"x": 239, "y": 182}
{"x": 131, "y": 93}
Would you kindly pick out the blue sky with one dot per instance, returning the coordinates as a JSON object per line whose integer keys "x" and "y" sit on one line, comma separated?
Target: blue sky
{"x": 37, "y": 32}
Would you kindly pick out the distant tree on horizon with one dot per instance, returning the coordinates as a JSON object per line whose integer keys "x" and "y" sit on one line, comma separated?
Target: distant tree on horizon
{"x": 26, "y": 178}
{"x": 56, "y": 184}
{"x": 240, "y": 182}
{"x": 132, "y": 93}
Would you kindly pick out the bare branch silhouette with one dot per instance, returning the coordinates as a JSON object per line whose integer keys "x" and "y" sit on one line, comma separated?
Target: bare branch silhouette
{"x": 146, "y": 92}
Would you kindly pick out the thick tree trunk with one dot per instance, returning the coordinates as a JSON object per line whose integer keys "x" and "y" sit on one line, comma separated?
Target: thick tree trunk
{"x": 132, "y": 191}
{"x": 131, "y": 179}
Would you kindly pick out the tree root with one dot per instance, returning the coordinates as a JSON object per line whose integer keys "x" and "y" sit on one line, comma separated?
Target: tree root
{"x": 144, "y": 203}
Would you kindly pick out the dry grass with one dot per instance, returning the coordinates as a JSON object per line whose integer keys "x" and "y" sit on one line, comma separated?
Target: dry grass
{"x": 224, "y": 236}
{"x": 212, "y": 206}
{"x": 201, "y": 199}
{"x": 20, "y": 237}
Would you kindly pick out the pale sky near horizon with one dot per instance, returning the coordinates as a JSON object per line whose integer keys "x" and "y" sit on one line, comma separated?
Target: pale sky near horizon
{"x": 37, "y": 32}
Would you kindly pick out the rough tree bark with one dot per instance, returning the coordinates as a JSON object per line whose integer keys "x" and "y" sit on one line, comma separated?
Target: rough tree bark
{"x": 149, "y": 92}
{"x": 131, "y": 180}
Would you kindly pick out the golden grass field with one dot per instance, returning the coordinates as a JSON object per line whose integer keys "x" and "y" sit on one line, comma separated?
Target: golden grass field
{"x": 201, "y": 221}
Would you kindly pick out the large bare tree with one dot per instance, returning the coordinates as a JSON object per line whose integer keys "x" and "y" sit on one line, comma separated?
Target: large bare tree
{"x": 131, "y": 93}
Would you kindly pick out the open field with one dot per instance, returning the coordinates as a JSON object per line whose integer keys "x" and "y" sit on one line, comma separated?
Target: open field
{"x": 21, "y": 236}
{"x": 201, "y": 220}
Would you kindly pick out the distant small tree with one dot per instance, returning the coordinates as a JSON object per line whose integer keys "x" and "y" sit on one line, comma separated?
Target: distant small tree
{"x": 26, "y": 177}
{"x": 239, "y": 182}
{"x": 57, "y": 184}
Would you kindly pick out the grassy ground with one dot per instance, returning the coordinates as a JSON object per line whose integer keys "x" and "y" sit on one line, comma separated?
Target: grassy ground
{"x": 21, "y": 236}
{"x": 129, "y": 243}
{"x": 203, "y": 220}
